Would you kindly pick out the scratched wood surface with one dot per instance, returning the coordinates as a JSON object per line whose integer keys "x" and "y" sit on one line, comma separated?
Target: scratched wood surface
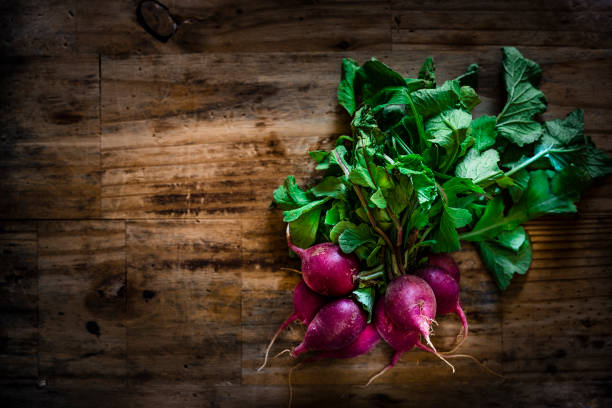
{"x": 140, "y": 263}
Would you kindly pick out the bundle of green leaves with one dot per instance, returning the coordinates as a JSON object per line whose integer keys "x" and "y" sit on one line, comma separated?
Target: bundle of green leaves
{"x": 419, "y": 174}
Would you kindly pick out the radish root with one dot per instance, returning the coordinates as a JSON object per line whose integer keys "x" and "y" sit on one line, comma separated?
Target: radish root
{"x": 291, "y": 270}
{"x": 394, "y": 360}
{"x": 433, "y": 348}
{"x": 282, "y": 352}
{"x": 381, "y": 372}
{"x": 286, "y": 323}
{"x": 478, "y": 362}
{"x": 464, "y": 329}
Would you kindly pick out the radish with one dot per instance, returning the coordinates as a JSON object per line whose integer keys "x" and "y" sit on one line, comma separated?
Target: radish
{"x": 335, "y": 326}
{"x": 410, "y": 303}
{"x": 306, "y": 304}
{"x": 366, "y": 341}
{"x": 401, "y": 340}
{"x": 445, "y": 262}
{"x": 446, "y": 291}
{"x": 326, "y": 269}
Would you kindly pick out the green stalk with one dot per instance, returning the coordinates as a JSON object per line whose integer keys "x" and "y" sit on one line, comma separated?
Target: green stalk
{"x": 525, "y": 164}
{"x": 419, "y": 123}
{"x": 364, "y": 204}
{"x": 342, "y": 138}
{"x": 372, "y": 273}
{"x": 398, "y": 227}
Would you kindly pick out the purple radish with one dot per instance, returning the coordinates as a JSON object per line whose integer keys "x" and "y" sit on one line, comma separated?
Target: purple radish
{"x": 326, "y": 269}
{"x": 366, "y": 341}
{"x": 445, "y": 262}
{"x": 335, "y": 326}
{"x": 446, "y": 291}
{"x": 401, "y": 340}
{"x": 306, "y": 304}
{"x": 410, "y": 303}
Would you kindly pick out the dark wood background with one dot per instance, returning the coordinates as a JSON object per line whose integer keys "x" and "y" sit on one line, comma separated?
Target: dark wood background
{"x": 140, "y": 264}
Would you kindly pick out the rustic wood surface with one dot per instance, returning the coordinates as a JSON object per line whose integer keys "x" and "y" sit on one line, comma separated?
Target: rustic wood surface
{"x": 140, "y": 263}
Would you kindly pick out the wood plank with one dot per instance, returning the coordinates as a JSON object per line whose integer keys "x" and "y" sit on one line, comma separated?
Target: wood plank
{"x": 538, "y": 394}
{"x": 529, "y": 392}
{"x": 216, "y": 26}
{"x": 64, "y": 392}
{"x": 569, "y": 248}
{"x": 184, "y": 291}
{"x": 38, "y": 28}
{"x": 538, "y": 23}
{"x": 82, "y": 300}
{"x": 554, "y": 317}
{"x": 18, "y": 300}
{"x": 320, "y": 395}
{"x": 50, "y": 141}
{"x": 516, "y": 5}
{"x": 111, "y": 28}
{"x": 160, "y": 138}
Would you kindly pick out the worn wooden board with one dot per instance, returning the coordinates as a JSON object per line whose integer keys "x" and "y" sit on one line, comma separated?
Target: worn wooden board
{"x": 563, "y": 23}
{"x": 82, "y": 294}
{"x": 184, "y": 290}
{"x": 159, "y": 141}
{"x": 49, "y": 156}
{"x": 18, "y": 300}
{"x": 76, "y": 27}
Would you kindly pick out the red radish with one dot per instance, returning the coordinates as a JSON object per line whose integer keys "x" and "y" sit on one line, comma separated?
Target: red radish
{"x": 446, "y": 290}
{"x": 401, "y": 340}
{"x": 326, "y": 269}
{"x": 446, "y": 262}
{"x": 410, "y": 303}
{"x": 366, "y": 341}
{"x": 335, "y": 326}
{"x": 306, "y": 304}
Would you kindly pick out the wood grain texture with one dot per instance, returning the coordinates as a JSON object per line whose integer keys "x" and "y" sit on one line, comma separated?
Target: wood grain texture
{"x": 18, "y": 300}
{"x": 204, "y": 142}
{"x": 111, "y": 27}
{"x": 50, "y": 138}
{"x": 140, "y": 264}
{"x": 184, "y": 291}
{"x": 520, "y": 23}
{"x": 82, "y": 299}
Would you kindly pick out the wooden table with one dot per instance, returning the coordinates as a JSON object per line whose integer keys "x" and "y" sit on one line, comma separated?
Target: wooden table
{"x": 140, "y": 263}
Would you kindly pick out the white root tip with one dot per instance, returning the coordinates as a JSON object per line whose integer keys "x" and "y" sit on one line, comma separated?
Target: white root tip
{"x": 267, "y": 352}
{"x": 451, "y": 351}
{"x": 282, "y": 352}
{"x": 282, "y": 327}
{"x": 291, "y": 270}
{"x": 430, "y": 344}
{"x": 479, "y": 363}
{"x": 375, "y": 376}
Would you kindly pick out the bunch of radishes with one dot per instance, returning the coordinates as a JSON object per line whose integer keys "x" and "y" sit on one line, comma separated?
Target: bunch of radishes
{"x": 338, "y": 328}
